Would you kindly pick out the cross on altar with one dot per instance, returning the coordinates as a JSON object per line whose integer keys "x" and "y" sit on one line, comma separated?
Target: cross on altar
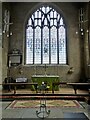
{"x": 45, "y": 67}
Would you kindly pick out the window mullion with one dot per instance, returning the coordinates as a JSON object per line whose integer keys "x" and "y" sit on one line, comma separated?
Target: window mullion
{"x": 41, "y": 46}
{"x": 66, "y": 47}
{"x": 50, "y": 45}
{"x": 33, "y": 45}
{"x": 57, "y": 46}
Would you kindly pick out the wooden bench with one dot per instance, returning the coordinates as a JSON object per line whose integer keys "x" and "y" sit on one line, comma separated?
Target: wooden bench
{"x": 79, "y": 85}
{"x": 57, "y": 83}
{"x": 16, "y": 84}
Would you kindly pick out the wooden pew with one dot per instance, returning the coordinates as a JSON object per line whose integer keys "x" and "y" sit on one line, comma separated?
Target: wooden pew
{"x": 56, "y": 84}
{"x": 16, "y": 84}
{"x": 79, "y": 85}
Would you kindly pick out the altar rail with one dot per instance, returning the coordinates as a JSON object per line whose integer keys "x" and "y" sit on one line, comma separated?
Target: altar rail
{"x": 78, "y": 85}
{"x": 35, "y": 84}
{"x": 16, "y": 84}
{"x": 74, "y": 85}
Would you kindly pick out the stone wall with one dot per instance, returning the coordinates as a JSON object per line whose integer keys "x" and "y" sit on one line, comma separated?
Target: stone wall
{"x": 89, "y": 40}
{"x": 19, "y": 14}
{"x": 5, "y": 42}
{"x": 0, "y": 55}
{"x": 0, "y": 42}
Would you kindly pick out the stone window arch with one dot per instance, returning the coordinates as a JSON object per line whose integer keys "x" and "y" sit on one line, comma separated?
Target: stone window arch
{"x": 46, "y": 37}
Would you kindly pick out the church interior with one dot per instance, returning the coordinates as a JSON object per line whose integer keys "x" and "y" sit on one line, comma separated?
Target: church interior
{"x": 45, "y": 60}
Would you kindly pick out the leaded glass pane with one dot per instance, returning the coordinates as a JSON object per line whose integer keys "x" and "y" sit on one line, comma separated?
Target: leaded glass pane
{"x": 48, "y": 17}
{"x": 29, "y": 45}
{"x": 55, "y": 14}
{"x": 35, "y": 22}
{"x": 47, "y": 9}
{"x": 45, "y": 45}
{"x": 30, "y": 22}
{"x": 37, "y": 46}
{"x": 43, "y": 9}
{"x": 45, "y": 22}
{"x": 58, "y": 17}
{"x": 39, "y": 22}
{"x": 42, "y": 17}
{"x": 39, "y": 14}
{"x": 51, "y": 14}
{"x": 55, "y": 22}
{"x": 62, "y": 45}
{"x": 36, "y": 14}
{"x": 61, "y": 21}
{"x": 51, "y": 22}
{"x": 32, "y": 17}
{"x": 53, "y": 45}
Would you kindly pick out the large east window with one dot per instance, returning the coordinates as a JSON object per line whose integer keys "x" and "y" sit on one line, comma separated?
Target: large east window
{"x": 46, "y": 37}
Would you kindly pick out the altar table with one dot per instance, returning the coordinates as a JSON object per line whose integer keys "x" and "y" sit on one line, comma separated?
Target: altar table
{"x": 48, "y": 79}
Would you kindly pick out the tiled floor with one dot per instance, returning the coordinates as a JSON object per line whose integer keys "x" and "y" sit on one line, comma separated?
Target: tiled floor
{"x": 54, "y": 112}
{"x": 31, "y": 112}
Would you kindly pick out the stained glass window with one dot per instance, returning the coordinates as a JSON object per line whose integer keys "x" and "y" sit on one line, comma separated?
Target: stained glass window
{"x": 46, "y": 37}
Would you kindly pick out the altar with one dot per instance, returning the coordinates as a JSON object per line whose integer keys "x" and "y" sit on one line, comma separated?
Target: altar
{"x": 48, "y": 79}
